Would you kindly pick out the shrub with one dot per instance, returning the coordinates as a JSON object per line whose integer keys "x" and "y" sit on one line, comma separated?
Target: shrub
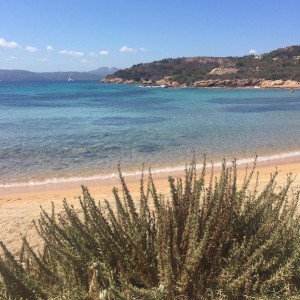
{"x": 210, "y": 240}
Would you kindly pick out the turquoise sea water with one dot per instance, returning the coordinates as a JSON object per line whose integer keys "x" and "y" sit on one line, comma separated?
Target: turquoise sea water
{"x": 78, "y": 129}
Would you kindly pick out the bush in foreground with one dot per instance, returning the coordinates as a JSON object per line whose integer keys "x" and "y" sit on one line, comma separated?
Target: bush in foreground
{"x": 211, "y": 240}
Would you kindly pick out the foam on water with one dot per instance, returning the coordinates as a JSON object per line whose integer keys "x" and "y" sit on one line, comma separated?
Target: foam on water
{"x": 167, "y": 170}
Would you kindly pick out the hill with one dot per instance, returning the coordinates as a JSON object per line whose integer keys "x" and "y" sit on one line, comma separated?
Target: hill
{"x": 281, "y": 67}
{"x": 21, "y": 75}
{"x": 104, "y": 71}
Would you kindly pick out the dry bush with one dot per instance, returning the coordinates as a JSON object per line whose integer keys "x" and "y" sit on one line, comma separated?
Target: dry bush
{"x": 211, "y": 240}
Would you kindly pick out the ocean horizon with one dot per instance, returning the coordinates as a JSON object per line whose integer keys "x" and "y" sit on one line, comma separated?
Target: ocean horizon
{"x": 68, "y": 131}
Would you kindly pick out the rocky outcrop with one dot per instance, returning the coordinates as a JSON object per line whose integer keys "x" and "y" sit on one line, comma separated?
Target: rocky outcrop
{"x": 220, "y": 83}
{"x": 287, "y": 84}
{"x": 117, "y": 80}
{"x": 243, "y": 83}
{"x": 165, "y": 82}
{"x": 223, "y": 71}
{"x": 168, "y": 83}
{"x": 230, "y": 83}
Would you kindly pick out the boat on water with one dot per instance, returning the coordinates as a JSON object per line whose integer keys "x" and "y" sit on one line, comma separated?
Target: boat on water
{"x": 70, "y": 79}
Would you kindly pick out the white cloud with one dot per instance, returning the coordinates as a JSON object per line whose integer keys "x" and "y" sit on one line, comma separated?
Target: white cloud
{"x": 71, "y": 53}
{"x": 10, "y": 45}
{"x": 43, "y": 59}
{"x": 252, "y": 52}
{"x": 49, "y": 48}
{"x": 143, "y": 49}
{"x": 125, "y": 49}
{"x": 93, "y": 54}
{"x": 11, "y": 58}
{"x": 31, "y": 49}
{"x": 103, "y": 52}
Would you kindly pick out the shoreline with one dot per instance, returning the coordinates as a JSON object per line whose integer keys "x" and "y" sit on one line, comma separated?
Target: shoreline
{"x": 212, "y": 83}
{"x": 112, "y": 177}
{"x": 19, "y": 206}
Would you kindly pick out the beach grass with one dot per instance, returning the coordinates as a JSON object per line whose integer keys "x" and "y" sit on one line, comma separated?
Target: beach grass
{"x": 206, "y": 239}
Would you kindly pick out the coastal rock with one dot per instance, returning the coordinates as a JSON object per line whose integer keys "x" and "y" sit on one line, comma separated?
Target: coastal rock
{"x": 168, "y": 83}
{"x": 113, "y": 80}
{"x": 230, "y": 83}
{"x": 243, "y": 83}
{"x": 280, "y": 84}
{"x": 222, "y": 83}
{"x": 118, "y": 80}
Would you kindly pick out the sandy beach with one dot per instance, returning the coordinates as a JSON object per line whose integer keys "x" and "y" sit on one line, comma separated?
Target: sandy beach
{"x": 19, "y": 206}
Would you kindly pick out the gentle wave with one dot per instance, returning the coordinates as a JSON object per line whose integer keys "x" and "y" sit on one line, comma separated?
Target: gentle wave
{"x": 138, "y": 173}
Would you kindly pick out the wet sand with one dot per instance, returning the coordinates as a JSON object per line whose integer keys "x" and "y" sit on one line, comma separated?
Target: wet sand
{"x": 20, "y": 205}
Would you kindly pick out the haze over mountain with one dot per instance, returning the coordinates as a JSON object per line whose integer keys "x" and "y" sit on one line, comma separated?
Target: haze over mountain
{"x": 22, "y": 75}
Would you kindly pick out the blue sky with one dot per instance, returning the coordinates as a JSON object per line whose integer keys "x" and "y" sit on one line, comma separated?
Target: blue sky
{"x": 85, "y": 35}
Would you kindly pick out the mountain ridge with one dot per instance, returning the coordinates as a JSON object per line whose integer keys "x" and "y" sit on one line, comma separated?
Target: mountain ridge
{"x": 23, "y": 75}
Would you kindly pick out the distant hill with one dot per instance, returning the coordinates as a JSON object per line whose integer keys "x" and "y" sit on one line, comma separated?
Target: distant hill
{"x": 104, "y": 71}
{"x": 281, "y": 64}
{"x": 21, "y": 75}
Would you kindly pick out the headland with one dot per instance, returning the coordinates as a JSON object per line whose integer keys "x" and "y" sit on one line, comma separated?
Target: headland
{"x": 276, "y": 69}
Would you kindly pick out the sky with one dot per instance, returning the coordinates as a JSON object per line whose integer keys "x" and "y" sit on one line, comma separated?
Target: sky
{"x": 77, "y": 35}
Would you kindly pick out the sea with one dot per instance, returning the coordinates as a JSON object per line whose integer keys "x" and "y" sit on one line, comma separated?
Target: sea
{"x": 68, "y": 131}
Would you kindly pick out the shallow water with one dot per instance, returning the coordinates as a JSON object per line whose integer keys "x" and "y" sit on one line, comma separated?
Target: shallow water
{"x": 78, "y": 129}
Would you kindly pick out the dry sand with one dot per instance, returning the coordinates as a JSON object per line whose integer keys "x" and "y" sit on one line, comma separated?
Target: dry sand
{"x": 19, "y": 206}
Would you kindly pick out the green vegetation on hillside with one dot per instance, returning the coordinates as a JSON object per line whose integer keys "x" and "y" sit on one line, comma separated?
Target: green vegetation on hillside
{"x": 206, "y": 240}
{"x": 279, "y": 64}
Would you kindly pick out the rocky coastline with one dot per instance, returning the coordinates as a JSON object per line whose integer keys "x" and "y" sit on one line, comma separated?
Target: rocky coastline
{"x": 213, "y": 83}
